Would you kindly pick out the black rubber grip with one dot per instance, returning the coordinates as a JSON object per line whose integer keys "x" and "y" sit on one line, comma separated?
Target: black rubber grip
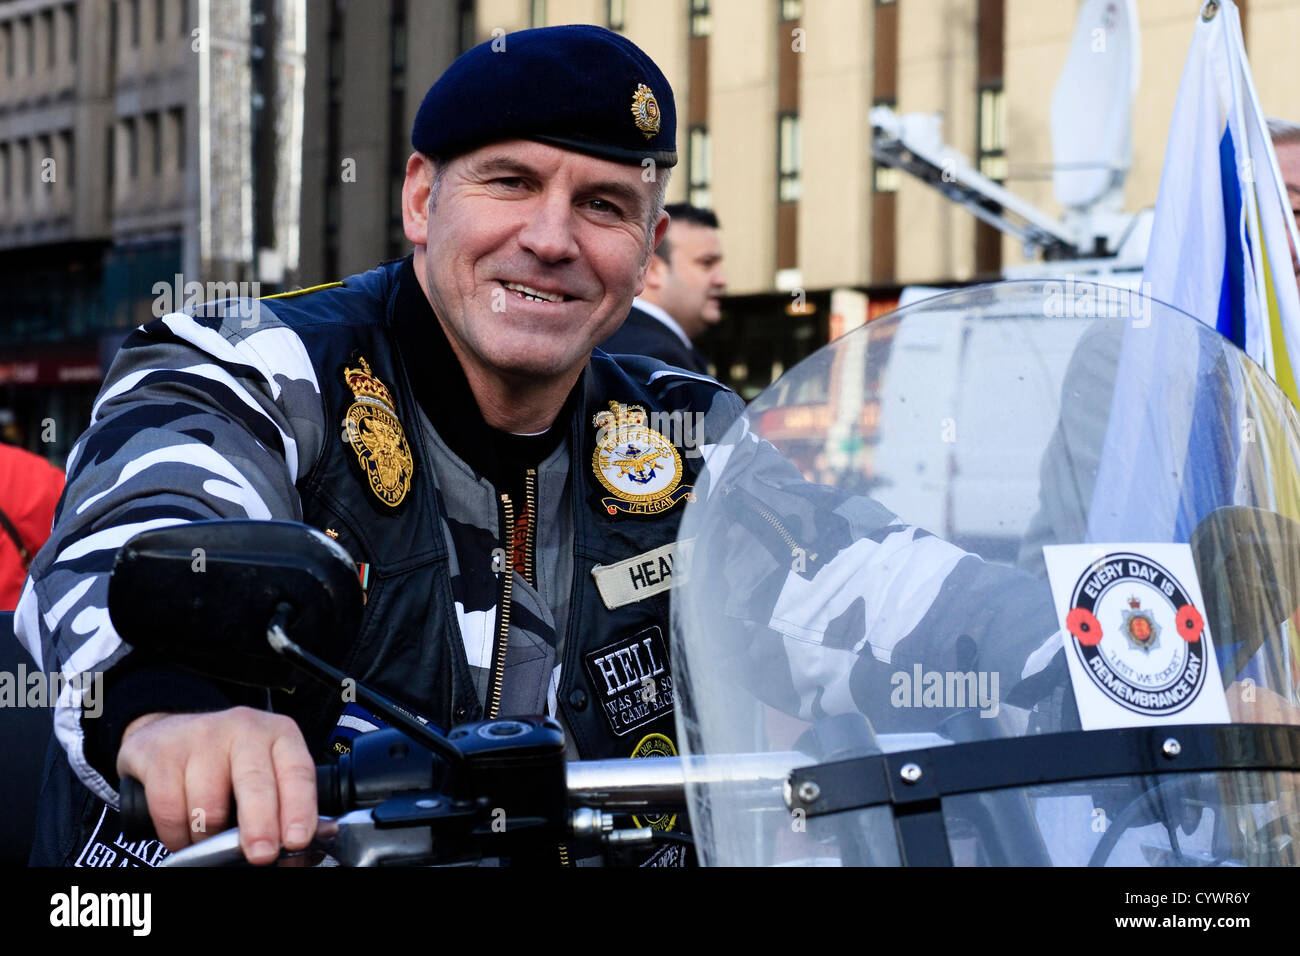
{"x": 136, "y": 822}
{"x": 328, "y": 801}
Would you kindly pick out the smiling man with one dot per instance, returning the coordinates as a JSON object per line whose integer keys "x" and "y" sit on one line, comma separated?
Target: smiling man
{"x": 444, "y": 418}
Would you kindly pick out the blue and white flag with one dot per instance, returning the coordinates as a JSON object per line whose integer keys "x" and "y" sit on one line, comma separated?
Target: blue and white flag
{"x": 1219, "y": 246}
{"x": 1219, "y": 252}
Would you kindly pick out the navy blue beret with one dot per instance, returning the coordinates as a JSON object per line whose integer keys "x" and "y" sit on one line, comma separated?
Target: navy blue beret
{"x": 578, "y": 87}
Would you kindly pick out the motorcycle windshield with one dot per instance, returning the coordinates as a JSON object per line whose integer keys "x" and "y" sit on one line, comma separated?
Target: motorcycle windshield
{"x": 1016, "y": 510}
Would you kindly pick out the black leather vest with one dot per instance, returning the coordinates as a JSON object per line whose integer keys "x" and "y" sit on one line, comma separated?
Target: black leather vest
{"x": 409, "y": 644}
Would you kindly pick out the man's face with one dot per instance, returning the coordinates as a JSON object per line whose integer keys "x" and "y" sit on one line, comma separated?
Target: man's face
{"x": 532, "y": 254}
{"x": 689, "y": 287}
{"x": 1288, "y": 161}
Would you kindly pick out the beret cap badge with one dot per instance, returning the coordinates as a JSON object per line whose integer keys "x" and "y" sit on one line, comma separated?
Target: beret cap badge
{"x": 645, "y": 110}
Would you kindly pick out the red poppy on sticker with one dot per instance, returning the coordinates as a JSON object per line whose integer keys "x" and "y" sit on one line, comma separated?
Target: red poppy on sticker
{"x": 1083, "y": 624}
{"x": 1190, "y": 623}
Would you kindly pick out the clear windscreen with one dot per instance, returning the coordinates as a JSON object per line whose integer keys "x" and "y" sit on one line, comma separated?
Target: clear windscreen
{"x": 872, "y": 556}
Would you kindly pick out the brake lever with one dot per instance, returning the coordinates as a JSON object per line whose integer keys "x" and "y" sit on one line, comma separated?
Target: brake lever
{"x": 220, "y": 850}
{"x": 353, "y": 839}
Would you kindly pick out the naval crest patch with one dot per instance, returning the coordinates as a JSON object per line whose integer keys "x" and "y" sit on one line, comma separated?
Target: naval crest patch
{"x": 375, "y": 434}
{"x": 636, "y": 464}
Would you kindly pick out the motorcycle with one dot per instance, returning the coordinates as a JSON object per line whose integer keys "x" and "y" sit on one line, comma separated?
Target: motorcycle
{"x": 1007, "y": 577}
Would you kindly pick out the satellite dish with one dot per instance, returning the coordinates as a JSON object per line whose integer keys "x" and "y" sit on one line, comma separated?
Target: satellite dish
{"x": 1093, "y": 104}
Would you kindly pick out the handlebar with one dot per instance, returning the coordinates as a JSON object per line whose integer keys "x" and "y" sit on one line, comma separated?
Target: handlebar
{"x": 409, "y": 825}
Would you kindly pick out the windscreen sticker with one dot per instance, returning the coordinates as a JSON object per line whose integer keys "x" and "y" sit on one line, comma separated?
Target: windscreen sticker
{"x": 1138, "y": 646}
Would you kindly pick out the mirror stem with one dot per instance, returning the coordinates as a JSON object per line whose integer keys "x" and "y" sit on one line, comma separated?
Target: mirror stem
{"x": 413, "y": 725}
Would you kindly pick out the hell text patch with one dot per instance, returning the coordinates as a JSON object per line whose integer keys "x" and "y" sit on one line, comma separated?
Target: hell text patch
{"x": 631, "y": 680}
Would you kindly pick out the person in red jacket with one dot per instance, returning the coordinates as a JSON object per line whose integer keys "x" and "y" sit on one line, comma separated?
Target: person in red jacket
{"x": 29, "y": 490}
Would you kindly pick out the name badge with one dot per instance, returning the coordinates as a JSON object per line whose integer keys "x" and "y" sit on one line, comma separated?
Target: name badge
{"x": 638, "y": 578}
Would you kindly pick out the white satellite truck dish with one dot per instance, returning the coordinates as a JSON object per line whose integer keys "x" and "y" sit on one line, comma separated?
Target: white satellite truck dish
{"x": 1092, "y": 107}
{"x": 1091, "y": 123}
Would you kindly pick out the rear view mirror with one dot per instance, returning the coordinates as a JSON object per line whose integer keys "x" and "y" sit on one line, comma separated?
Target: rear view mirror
{"x": 202, "y": 594}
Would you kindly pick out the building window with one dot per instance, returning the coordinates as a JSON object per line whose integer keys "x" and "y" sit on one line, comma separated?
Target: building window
{"x": 110, "y": 162}
{"x": 399, "y": 145}
{"x": 7, "y": 42}
{"x": 616, "y": 14}
{"x": 65, "y": 151}
{"x": 176, "y": 120}
{"x": 20, "y": 168}
{"x": 791, "y": 9}
{"x": 159, "y": 20}
{"x": 44, "y": 153}
{"x": 465, "y": 25}
{"x": 336, "y": 64}
{"x": 537, "y": 13}
{"x": 701, "y": 22}
{"x": 132, "y": 148}
{"x": 72, "y": 32}
{"x": 992, "y": 151}
{"x": 6, "y": 188}
{"x": 332, "y": 210}
{"x": 397, "y": 43}
{"x": 153, "y": 127}
{"x": 699, "y": 162}
{"x": 47, "y": 25}
{"x": 135, "y": 24}
{"x": 789, "y": 160}
{"x": 885, "y": 178}
{"x": 28, "y": 26}
{"x": 185, "y": 18}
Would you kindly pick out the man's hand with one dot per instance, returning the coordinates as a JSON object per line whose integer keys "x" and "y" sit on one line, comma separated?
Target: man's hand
{"x": 189, "y": 763}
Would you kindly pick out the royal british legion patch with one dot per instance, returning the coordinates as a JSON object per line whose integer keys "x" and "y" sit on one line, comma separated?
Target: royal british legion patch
{"x": 636, "y": 464}
{"x": 375, "y": 434}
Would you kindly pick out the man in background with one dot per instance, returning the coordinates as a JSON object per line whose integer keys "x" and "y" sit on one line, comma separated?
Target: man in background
{"x": 1286, "y": 144}
{"x": 683, "y": 288}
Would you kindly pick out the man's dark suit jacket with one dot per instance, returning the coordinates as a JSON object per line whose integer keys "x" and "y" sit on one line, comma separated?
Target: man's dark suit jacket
{"x": 643, "y": 334}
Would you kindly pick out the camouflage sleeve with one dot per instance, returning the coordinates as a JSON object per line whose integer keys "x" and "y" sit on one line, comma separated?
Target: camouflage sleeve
{"x": 200, "y": 417}
{"x": 819, "y": 596}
